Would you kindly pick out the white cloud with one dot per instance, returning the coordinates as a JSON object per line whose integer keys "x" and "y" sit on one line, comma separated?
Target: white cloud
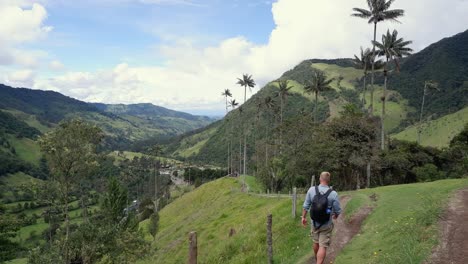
{"x": 21, "y": 78}
{"x": 193, "y": 77}
{"x": 56, "y": 65}
{"x": 22, "y": 23}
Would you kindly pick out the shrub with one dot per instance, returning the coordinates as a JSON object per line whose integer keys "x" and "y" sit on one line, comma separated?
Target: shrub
{"x": 428, "y": 172}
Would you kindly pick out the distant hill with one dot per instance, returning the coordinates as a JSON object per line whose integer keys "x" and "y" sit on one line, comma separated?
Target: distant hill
{"x": 445, "y": 62}
{"x": 27, "y": 113}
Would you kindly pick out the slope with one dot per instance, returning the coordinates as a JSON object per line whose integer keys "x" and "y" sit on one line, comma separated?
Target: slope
{"x": 42, "y": 110}
{"x": 445, "y": 62}
{"x": 438, "y": 132}
{"x": 214, "y": 208}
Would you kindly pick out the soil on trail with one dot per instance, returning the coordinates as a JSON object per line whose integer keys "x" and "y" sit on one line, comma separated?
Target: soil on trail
{"x": 344, "y": 230}
{"x": 453, "y": 226}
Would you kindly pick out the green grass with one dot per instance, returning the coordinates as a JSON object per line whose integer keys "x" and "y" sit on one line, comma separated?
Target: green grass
{"x": 212, "y": 210}
{"x": 31, "y": 120}
{"x": 18, "y": 261}
{"x": 396, "y": 112}
{"x": 17, "y": 179}
{"x": 439, "y": 132}
{"x": 400, "y": 229}
{"x": 254, "y": 185}
{"x": 191, "y": 145}
{"x": 349, "y": 74}
{"x": 130, "y": 155}
{"x": 27, "y": 149}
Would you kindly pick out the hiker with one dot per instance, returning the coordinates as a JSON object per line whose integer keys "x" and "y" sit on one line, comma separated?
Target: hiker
{"x": 323, "y": 208}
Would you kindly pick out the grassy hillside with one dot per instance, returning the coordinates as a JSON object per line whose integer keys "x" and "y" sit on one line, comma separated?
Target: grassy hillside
{"x": 438, "y": 132}
{"x": 403, "y": 215}
{"x": 210, "y": 145}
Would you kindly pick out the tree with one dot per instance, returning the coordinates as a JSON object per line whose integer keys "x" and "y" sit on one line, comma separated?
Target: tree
{"x": 392, "y": 48}
{"x": 364, "y": 62}
{"x": 70, "y": 150}
{"x": 379, "y": 11}
{"x": 283, "y": 93}
{"x": 233, "y": 104}
{"x": 154, "y": 224}
{"x": 317, "y": 85}
{"x": 226, "y": 94}
{"x": 8, "y": 228}
{"x": 428, "y": 87}
{"x": 245, "y": 81}
{"x": 115, "y": 201}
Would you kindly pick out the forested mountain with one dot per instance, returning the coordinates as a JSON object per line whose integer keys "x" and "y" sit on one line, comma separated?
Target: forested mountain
{"x": 26, "y": 114}
{"x": 130, "y": 123}
{"x": 445, "y": 62}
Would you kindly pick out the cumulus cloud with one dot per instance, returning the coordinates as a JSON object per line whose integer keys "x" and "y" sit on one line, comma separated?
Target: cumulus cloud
{"x": 56, "y": 65}
{"x": 22, "y": 23}
{"x": 21, "y": 78}
{"x": 193, "y": 77}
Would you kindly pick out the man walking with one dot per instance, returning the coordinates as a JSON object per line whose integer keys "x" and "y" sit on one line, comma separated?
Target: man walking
{"x": 324, "y": 205}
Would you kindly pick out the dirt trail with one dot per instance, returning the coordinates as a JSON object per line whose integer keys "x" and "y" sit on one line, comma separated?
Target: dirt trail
{"x": 453, "y": 247}
{"x": 344, "y": 230}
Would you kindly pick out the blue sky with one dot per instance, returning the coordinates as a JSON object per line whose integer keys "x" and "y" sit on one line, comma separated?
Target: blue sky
{"x": 182, "y": 54}
{"x": 116, "y": 32}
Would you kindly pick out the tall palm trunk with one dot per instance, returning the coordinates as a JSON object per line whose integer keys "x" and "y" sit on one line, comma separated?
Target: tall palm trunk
{"x": 245, "y": 136}
{"x": 364, "y": 90}
{"x": 384, "y": 99}
{"x": 316, "y": 107}
{"x": 371, "y": 107}
{"x": 228, "y": 140}
{"x": 421, "y": 114}
{"x": 281, "y": 125}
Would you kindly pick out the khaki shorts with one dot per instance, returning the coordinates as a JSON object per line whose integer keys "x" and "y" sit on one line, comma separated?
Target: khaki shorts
{"x": 322, "y": 236}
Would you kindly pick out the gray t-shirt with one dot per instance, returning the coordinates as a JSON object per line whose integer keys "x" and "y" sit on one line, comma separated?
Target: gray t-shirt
{"x": 333, "y": 202}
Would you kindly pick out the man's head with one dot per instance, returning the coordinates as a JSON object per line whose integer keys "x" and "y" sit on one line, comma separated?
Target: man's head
{"x": 325, "y": 178}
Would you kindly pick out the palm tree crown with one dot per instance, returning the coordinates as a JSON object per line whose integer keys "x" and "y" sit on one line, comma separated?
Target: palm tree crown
{"x": 283, "y": 88}
{"x": 319, "y": 83}
{"x": 393, "y": 47}
{"x": 246, "y": 81}
{"x": 227, "y": 93}
{"x": 232, "y": 103}
{"x": 378, "y": 11}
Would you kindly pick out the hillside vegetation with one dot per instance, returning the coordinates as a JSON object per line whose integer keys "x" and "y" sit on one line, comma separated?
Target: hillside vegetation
{"x": 438, "y": 132}
{"x": 216, "y": 207}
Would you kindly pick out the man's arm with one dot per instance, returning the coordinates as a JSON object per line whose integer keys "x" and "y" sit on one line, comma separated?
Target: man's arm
{"x": 336, "y": 207}
{"x": 305, "y": 209}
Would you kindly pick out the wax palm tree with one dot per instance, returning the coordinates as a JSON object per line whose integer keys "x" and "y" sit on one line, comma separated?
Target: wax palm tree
{"x": 227, "y": 93}
{"x": 233, "y": 104}
{"x": 428, "y": 87}
{"x": 392, "y": 48}
{"x": 379, "y": 10}
{"x": 283, "y": 94}
{"x": 317, "y": 85}
{"x": 246, "y": 81}
{"x": 364, "y": 62}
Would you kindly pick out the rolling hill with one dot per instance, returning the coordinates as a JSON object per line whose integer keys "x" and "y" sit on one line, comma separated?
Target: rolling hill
{"x": 26, "y": 114}
{"x": 215, "y": 208}
{"x": 445, "y": 62}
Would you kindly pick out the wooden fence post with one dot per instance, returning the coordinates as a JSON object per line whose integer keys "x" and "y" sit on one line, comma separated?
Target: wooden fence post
{"x": 193, "y": 248}
{"x": 270, "y": 239}
{"x": 294, "y": 200}
{"x": 312, "y": 181}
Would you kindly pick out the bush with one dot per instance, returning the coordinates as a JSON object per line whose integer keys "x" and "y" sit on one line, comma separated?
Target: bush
{"x": 428, "y": 172}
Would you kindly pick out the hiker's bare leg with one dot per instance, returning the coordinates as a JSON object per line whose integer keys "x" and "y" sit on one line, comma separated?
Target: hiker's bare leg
{"x": 322, "y": 252}
{"x": 316, "y": 249}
